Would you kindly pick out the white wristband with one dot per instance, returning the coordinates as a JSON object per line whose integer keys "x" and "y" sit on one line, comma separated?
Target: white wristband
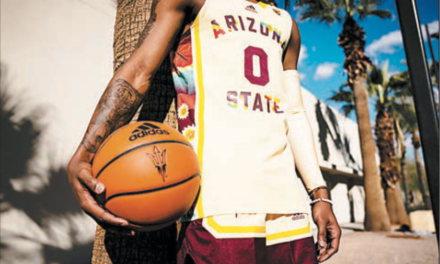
{"x": 321, "y": 200}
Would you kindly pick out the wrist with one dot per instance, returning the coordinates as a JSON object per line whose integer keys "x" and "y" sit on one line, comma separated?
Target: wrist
{"x": 319, "y": 192}
{"x": 323, "y": 200}
{"x": 82, "y": 155}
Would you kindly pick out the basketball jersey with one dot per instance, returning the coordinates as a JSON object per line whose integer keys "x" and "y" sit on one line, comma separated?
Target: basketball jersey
{"x": 228, "y": 75}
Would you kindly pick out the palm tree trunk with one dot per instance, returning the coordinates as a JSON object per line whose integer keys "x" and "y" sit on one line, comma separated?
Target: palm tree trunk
{"x": 388, "y": 169}
{"x": 400, "y": 139}
{"x": 396, "y": 207}
{"x": 376, "y": 217}
{"x": 144, "y": 247}
{"x": 404, "y": 174}
{"x": 384, "y": 133}
{"x": 420, "y": 170}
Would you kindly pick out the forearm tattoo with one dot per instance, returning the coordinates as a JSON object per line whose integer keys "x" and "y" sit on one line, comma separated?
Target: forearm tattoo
{"x": 117, "y": 106}
{"x": 150, "y": 23}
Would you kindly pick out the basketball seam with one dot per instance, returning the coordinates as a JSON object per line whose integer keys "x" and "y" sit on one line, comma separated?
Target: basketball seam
{"x": 105, "y": 142}
{"x": 135, "y": 148}
{"x": 152, "y": 190}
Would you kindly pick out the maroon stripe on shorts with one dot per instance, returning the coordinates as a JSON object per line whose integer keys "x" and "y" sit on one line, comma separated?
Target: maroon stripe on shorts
{"x": 197, "y": 245}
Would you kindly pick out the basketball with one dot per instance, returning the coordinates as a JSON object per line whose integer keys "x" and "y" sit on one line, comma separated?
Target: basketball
{"x": 151, "y": 174}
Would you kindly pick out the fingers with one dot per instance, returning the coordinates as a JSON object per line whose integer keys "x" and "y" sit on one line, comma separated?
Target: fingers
{"x": 104, "y": 217}
{"x": 115, "y": 229}
{"x": 334, "y": 236}
{"x": 321, "y": 244}
{"x": 87, "y": 189}
{"x": 85, "y": 176}
{"x": 91, "y": 207}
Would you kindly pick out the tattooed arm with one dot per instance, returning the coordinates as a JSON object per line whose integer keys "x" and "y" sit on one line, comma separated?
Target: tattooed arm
{"x": 122, "y": 98}
{"x": 116, "y": 108}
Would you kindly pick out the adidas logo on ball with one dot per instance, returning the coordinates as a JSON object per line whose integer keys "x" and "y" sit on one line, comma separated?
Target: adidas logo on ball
{"x": 147, "y": 129}
{"x": 146, "y": 172}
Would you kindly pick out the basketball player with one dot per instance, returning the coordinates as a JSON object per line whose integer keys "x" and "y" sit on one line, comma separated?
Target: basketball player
{"x": 240, "y": 105}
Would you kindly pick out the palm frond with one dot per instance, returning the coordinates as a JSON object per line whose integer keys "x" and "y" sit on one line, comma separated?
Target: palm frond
{"x": 375, "y": 75}
{"x": 319, "y": 10}
{"x": 327, "y": 17}
{"x": 374, "y": 79}
{"x": 385, "y": 67}
{"x": 381, "y": 13}
{"x": 350, "y": 7}
{"x": 406, "y": 114}
{"x": 329, "y": 11}
{"x": 400, "y": 84}
{"x": 343, "y": 94}
{"x": 365, "y": 8}
{"x": 347, "y": 109}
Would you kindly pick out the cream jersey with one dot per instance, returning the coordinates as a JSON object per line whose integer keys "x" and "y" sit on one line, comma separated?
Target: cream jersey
{"x": 228, "y": 75}
{"x": 275, "y": 228}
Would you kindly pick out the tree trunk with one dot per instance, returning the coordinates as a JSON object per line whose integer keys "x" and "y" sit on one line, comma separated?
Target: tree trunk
{"x": 420, "y": 170}
{"x": 144, "y": 247}
{"x": 396, "y": 207}
{"x": 376, "y": 217}
{"x": 384, "y": 132}
{"x": 401, "y": 150}
{"x": 404, "y": 174}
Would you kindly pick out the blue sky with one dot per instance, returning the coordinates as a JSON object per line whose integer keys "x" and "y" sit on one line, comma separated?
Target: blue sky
{"x": 321, "y": 58}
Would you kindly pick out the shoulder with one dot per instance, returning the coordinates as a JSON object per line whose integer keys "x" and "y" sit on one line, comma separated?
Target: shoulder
{"x": 282, "y": 13}
{"x": 294, "y": 30}
{"x": 183, "y": 5}
{"x": 293, "y": 48}
{"x": 292, "y": 25}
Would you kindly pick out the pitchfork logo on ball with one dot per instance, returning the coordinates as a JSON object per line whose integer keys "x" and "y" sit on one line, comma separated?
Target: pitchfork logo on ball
{"x": 160, "y": 161}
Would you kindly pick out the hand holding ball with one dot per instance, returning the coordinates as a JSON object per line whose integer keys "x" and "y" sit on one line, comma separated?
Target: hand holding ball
{"x": 151, "y": 174}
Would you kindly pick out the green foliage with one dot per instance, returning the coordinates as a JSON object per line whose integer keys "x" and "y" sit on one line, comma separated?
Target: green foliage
{"x": 404, "y": 109}
{"x": 376, "y": 75}
{"x": 345, "y": 96}
{"x": 414, "y": 184}
{"x": 412, "y": 179}
{"x": 401, "y": 84}
{"x": 392, "y": 93}
{"x": 407, "y": 117}
{"x": 329, "y": 11}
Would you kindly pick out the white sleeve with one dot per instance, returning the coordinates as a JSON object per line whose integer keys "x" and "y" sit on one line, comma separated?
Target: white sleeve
{"x": 300, "y": 134}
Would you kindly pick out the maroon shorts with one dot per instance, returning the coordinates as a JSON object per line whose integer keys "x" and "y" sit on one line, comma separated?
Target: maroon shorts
{"x": 197, "y": 245}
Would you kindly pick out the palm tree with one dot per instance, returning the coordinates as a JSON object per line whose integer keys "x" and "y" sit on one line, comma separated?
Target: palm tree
{"x": 384, "y": 94}
{"x": 401, "y": 156}
{"x": 352, "y": 41}
{"x": 151, "y": 247}
{"x": 409, "y": 126}
{"x": 386, "y": 101}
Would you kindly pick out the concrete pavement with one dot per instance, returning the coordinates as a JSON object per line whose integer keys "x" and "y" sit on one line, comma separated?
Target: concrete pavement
{"x": 359, "y": 247}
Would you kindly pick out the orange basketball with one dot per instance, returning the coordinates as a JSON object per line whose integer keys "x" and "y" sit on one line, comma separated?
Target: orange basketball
{"x": 151, "y": 174}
